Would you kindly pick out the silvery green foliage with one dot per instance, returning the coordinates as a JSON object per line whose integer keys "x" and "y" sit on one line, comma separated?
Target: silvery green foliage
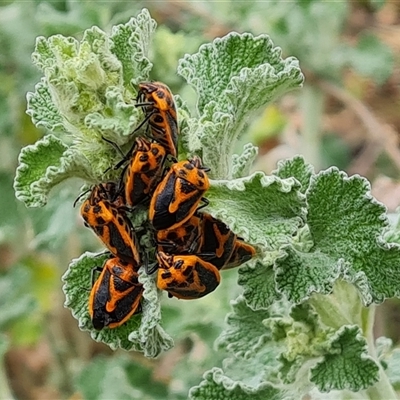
{"x": 304, "y": 307}
{"x": 233, "y": 77}
{"x": 323, "y": 252}
{"x": 87, "y": 91}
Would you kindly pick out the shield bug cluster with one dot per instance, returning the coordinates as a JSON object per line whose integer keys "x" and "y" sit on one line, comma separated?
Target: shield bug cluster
{"x": 191, "y": 246}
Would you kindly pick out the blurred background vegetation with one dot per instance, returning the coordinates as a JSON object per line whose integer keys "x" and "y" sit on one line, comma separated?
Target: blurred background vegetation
{"x": 347, "y": 114}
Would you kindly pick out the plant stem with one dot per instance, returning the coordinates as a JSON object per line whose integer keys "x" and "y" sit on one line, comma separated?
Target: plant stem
{"x": 312, "y": 102}
{"x": 383, "y": 388}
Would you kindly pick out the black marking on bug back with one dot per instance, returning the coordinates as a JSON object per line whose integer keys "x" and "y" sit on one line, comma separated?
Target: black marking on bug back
{"x": 136, "y": 195}
{"x": 243, "y": 255}
{"x": 158, "y": 119}
{"x": 208, "y": 277}
{"x": 100, "y": 319}
{"x": 101, "y": 297}
{"x": 239, "y": 256}
{"x": 117, "y": 270}
{"x": 188, "y": 165}
{"x": 144, "y": 157}
{"x": 172, "y": 236}
{"x": 157, "y": 132}
{"x": 163, "y": 141}
{"x": 155, "y": 151}
{"x": 187, "y": 207}
{"x": 185, "y": 293}
{"x": 121, "y": 220}
{"x": 146, "y": 167}
{"x": 122, "y": 249}
{"x": 184, "y": 284}
{"x": 211, "y": 242}
{"x": 99, "y": 229}
{"x": 160, "y": 93}
{"x": 102, "y": 294}
{"x": 120, "y": 285}
{"x": 96, "y": 208}
{"x": 166, "y": 274}
{"x": 186, "y": 187}
{"x": 124, "y": 305}
{"x": 163, "y": 219}
{"x": 188, "y": 272}
{"x": 173, "y": 284}
{"x": 100, "y": 220}
{"x": 173, "y": 125}
{"x": 178, "y": 264}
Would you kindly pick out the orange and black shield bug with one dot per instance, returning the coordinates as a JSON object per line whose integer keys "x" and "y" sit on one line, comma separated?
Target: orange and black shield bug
{"x": 143, "y": 171}
{"x": 186, "y": 277}
{"x": 218, "y": 241}
{"x": 116, "y": 294}
{"x": 184, "y": 239}
{"x": 242, "y": 252}
{"x": 158, "y": 104}
{"x": 178, "y": 195}
{"x": 111, "y": 224}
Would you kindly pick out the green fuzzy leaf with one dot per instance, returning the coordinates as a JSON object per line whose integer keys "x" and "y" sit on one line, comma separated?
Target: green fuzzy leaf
{"x": 295, "y": 167}
{"x": 87, "y": 91}
{"x": 253, "y": 360}
{"x": 290, "y": 368}
{"x": 120, "y": 119}
{"x": 184, "y": 148}
{"x": 130, "y": 44}
{"x": 346, "y": 224}
{"x": 259, "y": 284}
{"x": 298, "y": 274}
{"x": 302, "y": 338}
{"x": 259, "y": 366}
{"x": 344, "y": 238}
{"x": 348, "y": 366}
{"x": 241, "y": 164}
{"x": 150, "y": 338}
{"x": 234, "y": 76}
{"x": 42, "y": 110}
{"x": 264, "y": 210}
{"x": 222, "y": 63}
{"x": 217, "y": 386}
{"x": 42, "y": 166}
{"x": 246, "y": 332}
{"x": 141, "y": 332}
{"x": 80, "y": 77}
